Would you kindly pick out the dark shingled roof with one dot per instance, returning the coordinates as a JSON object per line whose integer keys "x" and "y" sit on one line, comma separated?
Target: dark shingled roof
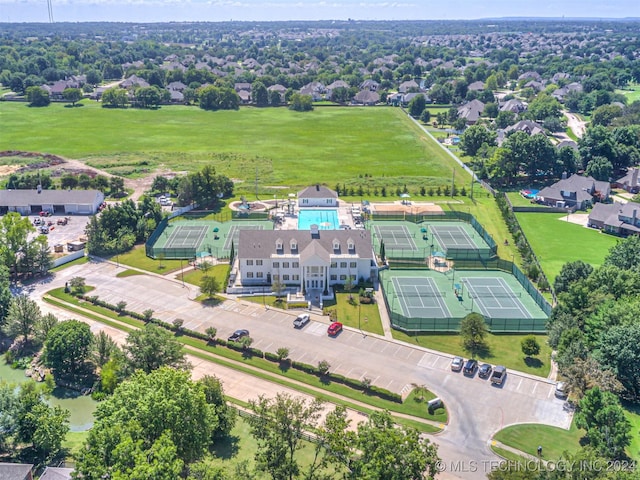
{"x": 317, "y": 191}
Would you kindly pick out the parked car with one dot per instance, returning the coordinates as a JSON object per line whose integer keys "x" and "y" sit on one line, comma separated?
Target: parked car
{"x": 470, "y": 367}
{"x": 45, "y": 213}
{"x": 334, "y": 329}
{"x": 499, "y": 374}
{"x": 301, "y": 320}
{"x": 561, "y": 390}
{"x": 457, "y": 363}
{"x": 485, "y": 370}
{"x": 238, "y": 334}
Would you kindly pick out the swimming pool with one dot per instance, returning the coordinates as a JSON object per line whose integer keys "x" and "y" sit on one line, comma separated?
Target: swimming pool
{"x": 325, "y": 219}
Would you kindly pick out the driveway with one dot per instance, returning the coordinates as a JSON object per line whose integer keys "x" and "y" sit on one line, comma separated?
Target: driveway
{"x": 476, "y": 408}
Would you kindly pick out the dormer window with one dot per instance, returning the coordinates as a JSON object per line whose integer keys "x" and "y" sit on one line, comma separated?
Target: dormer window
{"x": 294, "y": 245}
{"x": 279, "y": 245}
{"x": 350, "y": 244}
{"x": 336, "y": 244}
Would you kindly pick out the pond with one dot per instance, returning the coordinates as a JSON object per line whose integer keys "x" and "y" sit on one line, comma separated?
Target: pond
{"x": 80, "y": 406}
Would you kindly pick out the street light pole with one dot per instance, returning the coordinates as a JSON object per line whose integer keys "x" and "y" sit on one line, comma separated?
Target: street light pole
{"x": 181, "y": 272}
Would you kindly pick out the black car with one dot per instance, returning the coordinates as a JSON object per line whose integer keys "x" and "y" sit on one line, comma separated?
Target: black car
{"x": 485, "y": 370}
{"x": 470, "y": 367}
{"x": 238, "y": 334}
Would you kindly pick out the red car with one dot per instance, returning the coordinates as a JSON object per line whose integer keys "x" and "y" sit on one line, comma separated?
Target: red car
{"x": 334, "y": 329}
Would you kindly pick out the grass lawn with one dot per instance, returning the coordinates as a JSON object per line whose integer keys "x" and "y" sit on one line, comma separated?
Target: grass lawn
{"x": 73, "y": 442}
{"x": 557, "y": 242}
{"x": 632, "y": 92}
{"x": 632, "y": 412}
{"x": 554, "y": 441}
{"x": 503, "y": 350}
{"x": 77, "y": 261}
{"x": 509, "y": 456}
{"x": 363, "y": 316}
{"x": 128, "y": 273}
{"x": 327, "y": 145}
{"x": 194, "y": 276}
{"x": 518, "y": 200}
{"x": 137, "y": 258}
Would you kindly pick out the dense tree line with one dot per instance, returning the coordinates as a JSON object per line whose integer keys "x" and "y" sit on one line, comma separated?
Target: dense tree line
{"x": 20, "y": 255}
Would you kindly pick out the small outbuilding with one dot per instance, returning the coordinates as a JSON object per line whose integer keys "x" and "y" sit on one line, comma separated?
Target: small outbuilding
{"x": 317, "y": 196}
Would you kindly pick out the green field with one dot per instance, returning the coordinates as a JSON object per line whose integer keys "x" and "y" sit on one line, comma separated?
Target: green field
{"x": 554, "y": 441}
{"x": 557, "y": 242}
{"x": 329, "y": 145}
{"x": 632, "y": 92}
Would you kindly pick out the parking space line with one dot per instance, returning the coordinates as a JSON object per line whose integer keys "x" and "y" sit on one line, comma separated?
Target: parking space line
{"x": 519, "y": 384}
{"x": 535, "y": 385}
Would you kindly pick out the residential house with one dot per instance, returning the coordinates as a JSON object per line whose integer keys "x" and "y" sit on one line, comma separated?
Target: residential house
{"x": 132, "y": 82}
{"x": 369, "y": 85}
{"x": 513, "y": 105}
{"x": 527, "y": 126}
{"x": 407, "y": 97}
{"x": 314, "y": 89}
{"x": 617, "y": 218}
{"x": 366, "y": 97}
{"x": 409, "y": 86}
{"x": 567, "y": 143}
{"x": 307, "y": 260}
{"x": 576, "y": 191}
{"x": 560, "y": 93}
{"x": 476, "y": 86}
{"x": 471, "y": 111}
{"x": 337, "y": 84}
{"x": 16, "y": 471}
{"x": 531, "y": 75}
{"x": 317, "y": 196}
{"x": 535, "y": 85}
{"x": 245, "y": 97}
{"x": 177, "y": 86}
{"x": 629, "y": 182}
{"x": 240, "y": 86}
{"x": 56, "y": 473}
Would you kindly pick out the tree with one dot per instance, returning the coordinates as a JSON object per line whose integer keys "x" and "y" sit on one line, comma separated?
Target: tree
{"x": 530, "y": 346}
{"x": 392, "y": 452}
{"x": 72, "y": 95}
{"x": 278, "y": 427}
{"x": 570, "y": 273}
{"x": 282, "y": 353}
{"x": 14, "y": 234}
{"x": 417, "y": 106}
{"x": 425, "y": 117}
{"x": 473, "y": 331}
{"x": 114, "y": 98}
{"x": 5, "y": 294}
{"x": 301, "y": 103}
{"x": 259, "y": 94}
{"x": 103, "y": 348}
{"x": 22, "y": 317}
{"x": 44, "y": 326}
{"x": 619, "y": 351}
{"x": 152, "y": 347}
{"x": 601, "y": 415}
{"x": 599, "y": 168}
{"x": 68, "y": 347}
{"x": 37, "y": 97}
{"x": 209, "y": 286}
{"x": 323, "y": 367}
{"x": 163, "y": 406}
{"x": 491, "y": 110}
{"x": 275, "y": 99}
{"x": 52, "y": 426}
{"x": 211, "y": 333}
{"x": 218, "y": 98}
{"x": 474, "y": 137}
{"x": 148, "y": 97}
{"x": 77, "y": 285}
{"x": 214, "y": 395}
{"x": 505, "y": 118}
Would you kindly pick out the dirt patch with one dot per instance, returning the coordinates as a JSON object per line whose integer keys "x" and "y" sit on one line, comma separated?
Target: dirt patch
{"x": 577, "y": 218}
{"x": 8, "y": 169}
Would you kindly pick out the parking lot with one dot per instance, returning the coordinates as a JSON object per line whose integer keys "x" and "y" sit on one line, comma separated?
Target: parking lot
{"x": 58, "y": 233}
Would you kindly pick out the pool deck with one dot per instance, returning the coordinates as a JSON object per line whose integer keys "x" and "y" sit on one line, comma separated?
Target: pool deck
{"x": 345, "y": 217}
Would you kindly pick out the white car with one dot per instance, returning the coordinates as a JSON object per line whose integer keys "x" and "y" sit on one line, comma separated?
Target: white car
{"x": 301, "y": 320}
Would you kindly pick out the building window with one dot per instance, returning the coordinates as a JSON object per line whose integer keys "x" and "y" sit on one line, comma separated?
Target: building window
{"x": 353, "y": 264}
{"x": 294, "y": 245}
{"x": 305, "y": 201}
{"x": 285, "y": 264}
{"x": 276, "y": 277}
{"x": 249, "y": 262}
{"x": 295, "y": 265}
{"x": 259, "y": 274}
{"x": 343, "y": 277}
{"x": 334, "y": 277}
{"x": 258, "y": 262}
{"x": 334, "y": 264}
{"x": 296, "y": 277}
{"x": 276, "y": 264}
{"x": 343, "y": 264}
{"x": 249, "y": 274}
{"x": 351, "y": 246}
{"x": 285, "y": 277}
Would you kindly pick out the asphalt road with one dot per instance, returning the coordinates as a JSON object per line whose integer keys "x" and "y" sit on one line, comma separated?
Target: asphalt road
{"x": 476, "y": 408}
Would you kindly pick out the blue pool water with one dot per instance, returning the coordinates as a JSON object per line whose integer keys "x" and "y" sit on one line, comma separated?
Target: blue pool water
{"x": 325, "y": 219}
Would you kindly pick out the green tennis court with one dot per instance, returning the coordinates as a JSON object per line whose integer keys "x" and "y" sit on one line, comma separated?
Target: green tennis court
{"x": 427, "y": 300}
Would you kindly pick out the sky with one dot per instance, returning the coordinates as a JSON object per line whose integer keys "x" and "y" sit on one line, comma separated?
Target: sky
{"x": 269, "y": 10}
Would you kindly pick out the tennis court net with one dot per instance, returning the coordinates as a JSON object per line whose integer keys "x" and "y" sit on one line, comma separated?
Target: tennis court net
{"x": 421, "y": 294}
{"x": 489, "y": 294}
